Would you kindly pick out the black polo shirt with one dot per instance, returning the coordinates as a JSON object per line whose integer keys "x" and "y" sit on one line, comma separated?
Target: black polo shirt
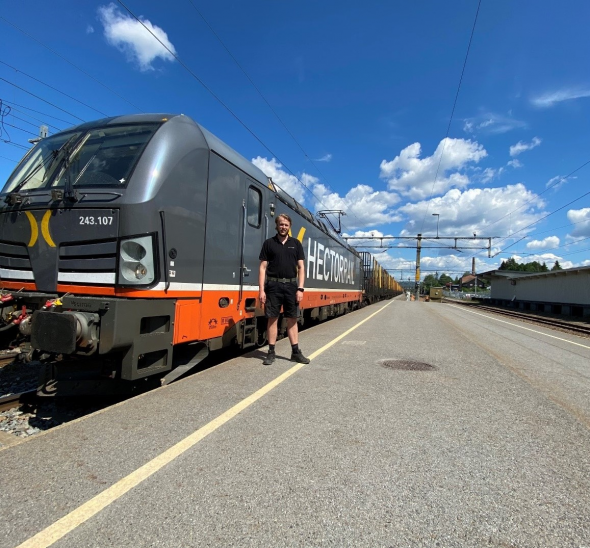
{"x": 282, "y": 258}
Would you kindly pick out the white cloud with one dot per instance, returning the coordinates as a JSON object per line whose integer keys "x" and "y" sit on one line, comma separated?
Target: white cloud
{"x": 369, "y": 238}
{"x": 550, "y": 99}
{"x": 547, "y": 243}
{"x": 490, "y": 173}
{"x": 130, "y": 37}
{"x": 289, "y": 183}
{"x": 557, "y": 182}
{"x": 521, "y": 146}
{"x": 514, "y": 163}
{"x": 491, "y": 123}
{"x": 364, "y": 207}
{"x": 474, "y": 210}
{"x": 324, "y": 158}
{"x": 413, "y": 177}
{"x": 581, "y": 218}
{"x": 89, "y": 29}
{"x": 456, "y": 264}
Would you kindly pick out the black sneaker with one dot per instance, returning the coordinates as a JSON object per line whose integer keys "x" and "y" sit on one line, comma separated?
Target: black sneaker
{"x": 299, "y": 357}
{"x": 270, "y": 358}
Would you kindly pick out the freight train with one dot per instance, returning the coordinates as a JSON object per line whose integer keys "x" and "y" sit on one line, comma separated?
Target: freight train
{"x": 129, "y": 249}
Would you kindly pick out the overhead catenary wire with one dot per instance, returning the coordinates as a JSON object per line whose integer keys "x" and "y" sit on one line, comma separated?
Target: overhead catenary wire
{"x": 575, "y": 252}
{"x": 10, "y": 159}
{"x": 559, "y": 181}
{"x": 544, "y": 250}
{"x": 538, "y": 221}
{"x": 72, "y": 64}
{"x": 562, "y": 226}
{"x": 452, "y": 114}
{"x": 32, "y": 117}
{"x": 13, "y": 104}
{"x": 19, "y": 128}
{"x": 41, "y": 99}
{"x": 54, "y": 89}
{"x": 18, "y": 145}
{"x": 218, "y": 99}
{"x": 23, "y": 120}
{"x": 263, "y": 97}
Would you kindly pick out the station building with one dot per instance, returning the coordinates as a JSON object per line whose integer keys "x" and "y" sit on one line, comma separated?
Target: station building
{"x": 564, "y": 292}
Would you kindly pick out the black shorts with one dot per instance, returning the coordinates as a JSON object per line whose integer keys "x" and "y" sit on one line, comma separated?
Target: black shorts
{"x": 281, "y": 294}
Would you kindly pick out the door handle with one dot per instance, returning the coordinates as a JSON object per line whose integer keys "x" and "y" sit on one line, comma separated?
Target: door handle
{"x": 246, "y": 270}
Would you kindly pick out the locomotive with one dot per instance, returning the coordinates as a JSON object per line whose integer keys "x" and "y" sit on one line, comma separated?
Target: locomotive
{"x": 129, "y": 250}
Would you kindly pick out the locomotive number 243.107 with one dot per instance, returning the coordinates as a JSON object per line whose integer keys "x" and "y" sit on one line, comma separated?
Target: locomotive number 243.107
{"x": 91, "y": 220}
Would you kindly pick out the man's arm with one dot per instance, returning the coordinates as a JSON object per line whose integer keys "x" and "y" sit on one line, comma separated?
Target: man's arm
{"x": 301, "y": 278}
{"x": 261, "y": 280}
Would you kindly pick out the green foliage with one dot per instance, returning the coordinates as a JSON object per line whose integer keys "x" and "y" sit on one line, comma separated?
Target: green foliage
{"x": 434, "y": 280}
{"x": 444, "y": 279}
{"x": 511, "y": 264}
{"x": 429, "y": 281}
{"x": 556, "y": 266}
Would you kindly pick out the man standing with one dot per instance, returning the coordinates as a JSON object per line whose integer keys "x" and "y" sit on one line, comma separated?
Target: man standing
{"x": 281, "y": 278}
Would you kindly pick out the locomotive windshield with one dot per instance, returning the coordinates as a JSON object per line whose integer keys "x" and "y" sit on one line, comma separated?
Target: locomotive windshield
{"x": 101, "y": 157}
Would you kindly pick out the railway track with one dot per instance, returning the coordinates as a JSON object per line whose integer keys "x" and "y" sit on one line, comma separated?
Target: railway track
{"x": 14, "y": 400}
{"x": 534, "y": 318}
{"x": 7, "y": 356}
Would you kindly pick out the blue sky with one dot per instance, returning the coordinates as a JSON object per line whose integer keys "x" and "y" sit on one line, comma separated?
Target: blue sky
{"x": 364, "y": 93}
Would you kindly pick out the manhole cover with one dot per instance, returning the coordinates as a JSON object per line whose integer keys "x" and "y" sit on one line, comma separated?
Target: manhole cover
{"x": 407, "y": 365}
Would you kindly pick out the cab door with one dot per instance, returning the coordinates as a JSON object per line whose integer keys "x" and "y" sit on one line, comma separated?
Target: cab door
{"x": 253, "y": 235}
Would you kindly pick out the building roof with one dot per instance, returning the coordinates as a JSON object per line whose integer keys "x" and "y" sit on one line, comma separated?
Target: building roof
{"x": 520, "y": 274}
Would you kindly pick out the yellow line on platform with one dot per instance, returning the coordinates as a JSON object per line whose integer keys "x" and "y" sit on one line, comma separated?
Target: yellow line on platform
{"x": 522, "y": 327}
{"x": 69, "y": 522}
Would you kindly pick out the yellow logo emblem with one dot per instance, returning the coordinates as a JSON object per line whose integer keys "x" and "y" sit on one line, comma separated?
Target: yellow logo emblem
{"x": 300, "y": 235}
{"x": 44, "y": 228}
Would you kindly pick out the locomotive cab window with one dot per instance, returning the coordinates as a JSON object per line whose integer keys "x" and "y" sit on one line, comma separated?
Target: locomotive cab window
{"x": 254, "y": 210}
{"x": 101, "y": 157}
{"x": 106, "y": 156}
{"x": 40, "y": 164}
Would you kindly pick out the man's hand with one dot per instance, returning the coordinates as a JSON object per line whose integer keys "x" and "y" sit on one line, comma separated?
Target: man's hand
{"x": 299, "y": 296}
{"x": 262, "y": 297}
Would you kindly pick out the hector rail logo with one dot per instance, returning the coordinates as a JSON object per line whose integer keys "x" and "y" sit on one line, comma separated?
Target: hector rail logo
{"x": 323, "y": 263}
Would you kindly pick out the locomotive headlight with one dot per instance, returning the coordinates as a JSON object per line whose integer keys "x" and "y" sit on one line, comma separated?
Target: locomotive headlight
{"x": 140, "y": 271}
{"x": 136, "y": 261}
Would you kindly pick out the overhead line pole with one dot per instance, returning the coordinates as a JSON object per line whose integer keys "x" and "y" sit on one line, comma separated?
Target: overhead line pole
{"x": 419, "y": 239}
{"x": 418, "y": 252}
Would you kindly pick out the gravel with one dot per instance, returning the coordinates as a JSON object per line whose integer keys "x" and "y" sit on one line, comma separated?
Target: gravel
{"x": 27, "y": 420}
{"x": 19, "y": 377}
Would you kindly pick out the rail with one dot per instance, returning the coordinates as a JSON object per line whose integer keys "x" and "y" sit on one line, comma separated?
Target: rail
{"x": 542, "y": 320}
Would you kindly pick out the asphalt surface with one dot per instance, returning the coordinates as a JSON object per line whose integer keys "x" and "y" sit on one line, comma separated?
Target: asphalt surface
{"x": 491, "y": 447}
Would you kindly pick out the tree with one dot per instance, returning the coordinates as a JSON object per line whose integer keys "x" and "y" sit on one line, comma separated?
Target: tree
{"x": 429, "y": 281}
{"x": 556, "y": 266}
{"x": 534, "y": 266}
{"x": 509, "y": 264}
{"x": 445, "y": 279}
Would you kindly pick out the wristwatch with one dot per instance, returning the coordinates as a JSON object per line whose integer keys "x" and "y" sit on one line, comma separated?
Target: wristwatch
{"x": 300, "y": 289}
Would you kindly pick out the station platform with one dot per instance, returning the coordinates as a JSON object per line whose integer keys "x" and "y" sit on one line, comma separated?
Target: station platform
{"x": 415, "y": 424}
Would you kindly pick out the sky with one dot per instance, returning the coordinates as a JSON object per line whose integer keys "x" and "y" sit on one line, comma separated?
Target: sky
{"x": 411, "y": 117}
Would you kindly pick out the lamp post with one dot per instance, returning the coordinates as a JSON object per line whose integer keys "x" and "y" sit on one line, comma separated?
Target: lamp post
{"x": 437, "y": 215}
